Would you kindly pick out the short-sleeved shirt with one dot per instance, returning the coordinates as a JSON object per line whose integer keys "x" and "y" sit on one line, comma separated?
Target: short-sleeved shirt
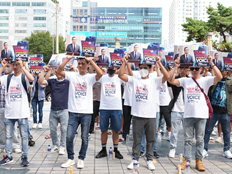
{"x": 80, "y": 98}
{"x": 145, "y": 96}
{"x": 195, "y": 103}
{"x": 59, "y": 94}
{"x": 164, "y": 95}
{"x": 97, "y": 91}
{"x": 17, "y": 105}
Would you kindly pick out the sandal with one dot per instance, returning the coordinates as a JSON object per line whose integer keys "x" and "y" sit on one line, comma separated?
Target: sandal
{"x": 31, "y": 142}
{"x": 47, "y": 137}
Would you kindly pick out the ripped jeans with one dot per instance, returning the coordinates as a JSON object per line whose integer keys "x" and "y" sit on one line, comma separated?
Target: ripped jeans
{"x": 60, "y": 116}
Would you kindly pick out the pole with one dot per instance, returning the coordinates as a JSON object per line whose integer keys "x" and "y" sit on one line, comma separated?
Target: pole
{"x": 53, "y": 44}
{"x": 57, "y": 34}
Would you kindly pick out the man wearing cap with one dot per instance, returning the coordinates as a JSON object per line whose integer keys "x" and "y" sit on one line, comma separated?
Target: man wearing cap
{"x": 196, "y": 110}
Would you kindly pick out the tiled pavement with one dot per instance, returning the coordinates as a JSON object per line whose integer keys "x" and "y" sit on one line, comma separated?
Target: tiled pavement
{"x": 215, "y": 163}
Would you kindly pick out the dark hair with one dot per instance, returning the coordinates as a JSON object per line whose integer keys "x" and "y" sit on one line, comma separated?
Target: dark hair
{"x": 185, "y": 48}
{"x": 84, "y": 59}
{"x": 4, "y": 43}
{"x": 102, "y": 49}
{"x": 149, "y": 66}
{"x": 73, "y": 37}
{"x": 135, "y": 45}
{"x": 215, "y": 54}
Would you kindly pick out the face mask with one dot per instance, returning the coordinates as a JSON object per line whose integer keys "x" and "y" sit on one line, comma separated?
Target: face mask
{"x": 111, "y": 71}
{"x": 143, "y": 72}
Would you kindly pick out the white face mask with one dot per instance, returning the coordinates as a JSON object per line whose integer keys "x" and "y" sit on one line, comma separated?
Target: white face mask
{"x": 143, "y": 72}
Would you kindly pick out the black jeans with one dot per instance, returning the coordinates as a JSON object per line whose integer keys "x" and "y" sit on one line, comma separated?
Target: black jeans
{"x": 127, "y": 120}
{"x": 96, "y": 105}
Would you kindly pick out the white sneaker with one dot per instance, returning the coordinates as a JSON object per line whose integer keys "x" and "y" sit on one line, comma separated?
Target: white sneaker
{"x": 17, "y": 151}
{"x": 131, "y": 165}
{"x": 169, "y": 136}
{"x": 62, "y": 150}
{"x": 40, "y": 126}
{"x": 205, "y": 153}
{"x": 227, "y": 154}
{"x": 34, "y": 126}
{"x": 219, "y": 140}
{"x": 213, "y": 133}
{"x": 194, "y": 140}
{"x": 172, "y": 153}
{"x": 80, "y": 164}
{"x": 68, "y": 163}
{"x": 150, "y": 165}
{"x": 54, "y": 149}
{"x": 90, "y": 137}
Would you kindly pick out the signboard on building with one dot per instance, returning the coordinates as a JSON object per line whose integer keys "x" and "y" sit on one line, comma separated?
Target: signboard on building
{"x": 151, "y": 21}
{"x": 79, "y": 19}
{"x": 99, "y": 34}
{"x": 108, "y": 20}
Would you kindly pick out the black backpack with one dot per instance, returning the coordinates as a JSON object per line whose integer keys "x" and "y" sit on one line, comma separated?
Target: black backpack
{"x": 24, "y": 85}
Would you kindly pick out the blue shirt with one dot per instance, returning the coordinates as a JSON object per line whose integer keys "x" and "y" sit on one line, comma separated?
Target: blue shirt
{"x": 59, "y": 94}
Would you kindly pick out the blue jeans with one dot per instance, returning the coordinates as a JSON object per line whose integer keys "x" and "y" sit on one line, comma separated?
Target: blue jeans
{"x": 74, "y": 121}
{"x": 191, "y": 124}
{"x": 224, "y": 119}
{"x": 9, "y": 123}
{"x": 34, "y": 103}
{"x": 143, "y": 147}
{"x": 56, "y": 117}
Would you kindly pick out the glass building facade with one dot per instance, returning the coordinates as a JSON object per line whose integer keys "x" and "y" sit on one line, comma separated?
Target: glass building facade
{"x": 143, "y": 25}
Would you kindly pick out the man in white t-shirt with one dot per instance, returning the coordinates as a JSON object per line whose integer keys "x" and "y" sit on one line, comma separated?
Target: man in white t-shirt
{"x": 144, "y": 108}
{"x": 110, "y": 109}
{"x": 16, "y": 109}
{"x": 80, "y": 105}
{"x": 196, "y": 110}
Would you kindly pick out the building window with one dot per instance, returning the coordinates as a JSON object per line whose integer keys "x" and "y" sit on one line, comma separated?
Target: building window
{"x": 4, "y": 3}
{"x": 81, "y": 28}
{"x": 3, "y": 37}
{"x": 20, "y": 31}
{"x": 3, "y": 31}
{"x": 20, "y": 3}
{"x": 4, "y": 11}
{"x": 40, "y": 25}
{"x": 81, "y": 11}
{"x": 84, "y": 3}
{"x": 4, "y": 18}
{"x": 20, "y": 11}
{"x": 85, "y": 28}
{"x": 40, "y": 18}
{"x": 21, "y": 18}
{"x": 74, "y": 11}
{"x": 38, "y": 4}
{"x": 4, "y": 24}
{"x": 39, "y": 11}
{"x": 20, "y": 25}
{"x": 86, "y": 12}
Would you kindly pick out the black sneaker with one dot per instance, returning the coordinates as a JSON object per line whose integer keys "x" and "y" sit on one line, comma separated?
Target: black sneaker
{"x": 141, "y": 153}
{"x": 101, "y": 154}
{"x": 24, "y": 162}
{"x": 6, "y": 160}
{"x": 118, "y": 155}
{"x": 156, "y": 155}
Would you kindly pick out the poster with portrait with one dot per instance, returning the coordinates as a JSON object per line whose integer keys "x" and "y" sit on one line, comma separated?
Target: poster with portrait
{"x": 135, "y": 53}
{"x": 200, "y": 53}
{"x": 227, "y": 62}
{"x": 102, "y": 56}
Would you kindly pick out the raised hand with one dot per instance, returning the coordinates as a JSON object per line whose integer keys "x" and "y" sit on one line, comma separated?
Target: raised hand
{"x": 4, "y": 62}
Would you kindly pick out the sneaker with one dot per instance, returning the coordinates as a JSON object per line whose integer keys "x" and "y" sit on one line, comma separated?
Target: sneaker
{"x": 34, "y": 126}
{"x": 227, "y": 154}
{"x": 101, "y": 154}
{"x": 121, "y": 140}
{"x": 156, "y": 155}
{"x": 219, "y": 140}
{"x": 68, "y": 163}
{"x": 169, "y": 135}
{"x": 90, "y": 138}
{"x": 150, "y": 165}
{"x": 62, "y": 150}
{"x": 142, "y": 153}
{"x": 118, "y": 155}
{"x": 40, "y": 126}
{"x": 17, "y": 151}
{"x": 131, "y": 165}
{"x": 172, "y": 153}
{"x": 80, "y": 164}
{"x": 6, "y": 160}
{"x": 194, "y": 140}
{"x": 54, "y": 149}
{"x": 213, "y": 133}
{"x": 24, "y": 162}
{"x": 205, "y": 154}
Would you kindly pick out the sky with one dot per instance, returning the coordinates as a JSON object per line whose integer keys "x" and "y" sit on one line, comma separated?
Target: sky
{"x": 65, "y": 4}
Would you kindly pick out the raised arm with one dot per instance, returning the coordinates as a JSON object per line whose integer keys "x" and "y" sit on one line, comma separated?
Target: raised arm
{"x": 97, "y": 69}
{"x": 173, "y": 73}
{"x": 49, "y": 71}
{"x": 159, "y": 74}
{"x": 4, "y": 63}
{"x": 26, "y": 72}
{"x": 215, "y": 69}
{"x": 41, "y": 80}
{"x": 121, "y": 74}
{"x": 165, "y": 73}
{"x": 60, "y": 70}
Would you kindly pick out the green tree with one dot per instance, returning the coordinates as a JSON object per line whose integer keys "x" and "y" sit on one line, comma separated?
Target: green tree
{"x": 196, "y": 30}
{"x": 40, "y": 42}
{"x": 55, "y": 1}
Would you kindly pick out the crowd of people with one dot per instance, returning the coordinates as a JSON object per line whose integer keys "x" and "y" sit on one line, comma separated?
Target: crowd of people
{"x": 181, "y": 95}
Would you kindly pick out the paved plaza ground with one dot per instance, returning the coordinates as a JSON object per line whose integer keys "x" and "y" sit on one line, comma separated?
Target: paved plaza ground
{"x": 215, "y": 163}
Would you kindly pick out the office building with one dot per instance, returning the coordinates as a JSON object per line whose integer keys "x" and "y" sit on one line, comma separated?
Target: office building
{"x": 179, "y": 11}
{"x": 18, "y": 19}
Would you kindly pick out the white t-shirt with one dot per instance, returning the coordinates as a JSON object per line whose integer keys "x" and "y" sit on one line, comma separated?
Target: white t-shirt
{"x": 80, "y": 97}
{"x": 164, "y": 95}
{"x": 179, "y": 104}
{"x": 127, "y": 94}
{"x": 111, "y": 97}
{"x": 195, "y": 103}
{"x": 144, "y": 99}
{"x": 17, "y": 105}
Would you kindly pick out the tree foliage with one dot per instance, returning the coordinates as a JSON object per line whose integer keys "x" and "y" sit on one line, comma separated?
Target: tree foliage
{"x": 55, "y": 1}
{"x": 41, "y": 43}
{"x": 220, "y": 23}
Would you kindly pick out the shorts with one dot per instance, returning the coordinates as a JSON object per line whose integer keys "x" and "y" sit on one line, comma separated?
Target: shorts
{"x": 114, "y": 115}
{"x": 164, "y": 112}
